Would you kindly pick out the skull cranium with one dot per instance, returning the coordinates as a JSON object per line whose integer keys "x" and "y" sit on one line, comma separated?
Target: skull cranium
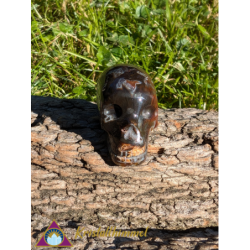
{"x": 129, "y": 110}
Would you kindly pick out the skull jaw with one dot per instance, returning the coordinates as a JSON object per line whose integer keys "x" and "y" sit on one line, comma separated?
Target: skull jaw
{"x": 128, "y": 161}
{"x": 134, "y": 156}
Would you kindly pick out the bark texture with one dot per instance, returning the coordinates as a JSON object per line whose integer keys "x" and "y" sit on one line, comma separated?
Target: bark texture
{"x": 75, "y": 182}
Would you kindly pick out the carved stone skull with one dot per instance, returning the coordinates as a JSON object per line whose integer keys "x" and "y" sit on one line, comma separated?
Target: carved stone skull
{"x": 128, "y": 107}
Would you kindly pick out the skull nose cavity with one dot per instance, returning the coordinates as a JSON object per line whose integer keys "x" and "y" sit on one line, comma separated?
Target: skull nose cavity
{"x": 118, "y": 110}
{"x": 131, "y": 132}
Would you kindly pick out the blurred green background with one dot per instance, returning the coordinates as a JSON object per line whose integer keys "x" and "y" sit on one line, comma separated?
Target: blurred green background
{"x": 175, "y": 42}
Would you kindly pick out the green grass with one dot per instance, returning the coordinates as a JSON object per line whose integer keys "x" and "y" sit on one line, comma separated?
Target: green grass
{"x": 175, "y": 42}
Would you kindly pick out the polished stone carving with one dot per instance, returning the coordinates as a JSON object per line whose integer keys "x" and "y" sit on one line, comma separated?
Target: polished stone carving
{"x": 127, "y": 102}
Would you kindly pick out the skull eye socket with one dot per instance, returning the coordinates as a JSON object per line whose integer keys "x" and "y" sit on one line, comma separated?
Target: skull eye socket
{"x": 118, "y": 110}
{"x": 111, "y": 112}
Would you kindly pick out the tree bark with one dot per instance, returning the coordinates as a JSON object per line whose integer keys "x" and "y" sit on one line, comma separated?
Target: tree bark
{"x": 75, "y": 182}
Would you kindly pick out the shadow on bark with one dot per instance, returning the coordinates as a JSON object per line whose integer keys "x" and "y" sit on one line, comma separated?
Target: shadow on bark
{"x": 78, "y": 116}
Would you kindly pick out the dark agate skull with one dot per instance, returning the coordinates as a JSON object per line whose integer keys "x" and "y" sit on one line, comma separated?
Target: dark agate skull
{"x": 129, "y": 110}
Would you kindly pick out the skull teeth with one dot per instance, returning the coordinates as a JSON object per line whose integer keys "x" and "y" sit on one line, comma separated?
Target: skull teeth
{"x": 132, "y": 159}
{"x": 131, "y": 151}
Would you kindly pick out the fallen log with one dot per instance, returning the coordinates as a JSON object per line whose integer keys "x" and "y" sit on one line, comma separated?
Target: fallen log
{"x": 75, "y": 182}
